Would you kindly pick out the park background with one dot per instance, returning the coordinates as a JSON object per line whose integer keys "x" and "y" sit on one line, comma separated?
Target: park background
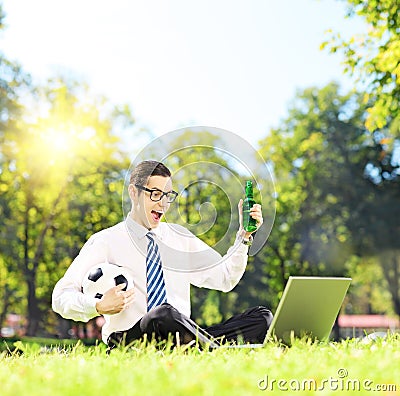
{"x": 333, "y": 149}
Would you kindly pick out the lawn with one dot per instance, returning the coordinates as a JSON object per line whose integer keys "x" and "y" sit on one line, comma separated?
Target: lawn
{"x": 306, "y": 368}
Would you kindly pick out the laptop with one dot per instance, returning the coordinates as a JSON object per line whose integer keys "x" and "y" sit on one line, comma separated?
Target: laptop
{"x": 308, "y": 307}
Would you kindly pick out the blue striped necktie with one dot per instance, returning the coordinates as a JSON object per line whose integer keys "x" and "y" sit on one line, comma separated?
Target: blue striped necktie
{"x": 156, "y": 294}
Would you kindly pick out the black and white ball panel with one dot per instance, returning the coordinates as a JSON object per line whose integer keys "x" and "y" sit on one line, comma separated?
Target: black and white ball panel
{"x": 103, "y": 277}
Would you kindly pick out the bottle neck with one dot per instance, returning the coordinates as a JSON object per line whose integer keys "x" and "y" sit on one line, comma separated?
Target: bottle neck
{"x": 249, "y": 190}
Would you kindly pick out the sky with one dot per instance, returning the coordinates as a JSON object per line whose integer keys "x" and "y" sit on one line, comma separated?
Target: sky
{"x": 230, "y": 64}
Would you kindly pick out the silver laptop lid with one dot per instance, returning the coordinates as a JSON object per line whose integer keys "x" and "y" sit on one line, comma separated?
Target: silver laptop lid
{"x": 309, "y": 306}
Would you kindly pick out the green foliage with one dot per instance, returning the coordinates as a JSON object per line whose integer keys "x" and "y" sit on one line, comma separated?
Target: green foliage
{"x": 373, "y": 57}
{"x": 210, "y": 308}
{"x": 60, "y": 181}
{"x": 13, "y": 83}
{"x": 328, "y": 208}
{"x": 206, "y": 180}
{"x": 369, "y": 288}
{"x": 309, "y": 153}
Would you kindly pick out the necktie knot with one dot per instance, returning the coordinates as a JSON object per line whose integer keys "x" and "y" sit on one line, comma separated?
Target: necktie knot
{"x": 150, "y": 235}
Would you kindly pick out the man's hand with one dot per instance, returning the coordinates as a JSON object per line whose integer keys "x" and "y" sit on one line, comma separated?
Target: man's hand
{"x": 255, "y": 213}
{"x": 115, "y": 300}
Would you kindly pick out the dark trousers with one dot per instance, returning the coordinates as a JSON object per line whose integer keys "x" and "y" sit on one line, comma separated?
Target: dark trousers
{"x": 165, "y": 321}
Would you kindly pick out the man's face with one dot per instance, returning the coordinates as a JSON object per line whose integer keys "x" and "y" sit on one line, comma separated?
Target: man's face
{"x": 145, "y": 211}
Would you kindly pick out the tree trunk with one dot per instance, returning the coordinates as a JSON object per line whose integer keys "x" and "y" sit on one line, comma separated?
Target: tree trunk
{"x": 6, "y": 304}
{"x": 390, "y": 263}
{"x": 64, "y": 326}
{"x": 34, "y": 312}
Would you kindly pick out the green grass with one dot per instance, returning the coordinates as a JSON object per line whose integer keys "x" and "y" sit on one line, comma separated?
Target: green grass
{"x": 144, "y": 370}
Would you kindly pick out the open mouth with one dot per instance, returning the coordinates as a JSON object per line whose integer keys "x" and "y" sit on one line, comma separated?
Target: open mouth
{"x": 156, "y": 215}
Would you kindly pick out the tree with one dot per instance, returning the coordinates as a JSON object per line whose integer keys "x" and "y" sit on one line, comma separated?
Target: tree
{"x": 61, "y": 178}
{"x": 328, "y": 208}
{"x": 13, "y": 83}
{"x": 374, "y": 58}
{"x": 378, "y": 223}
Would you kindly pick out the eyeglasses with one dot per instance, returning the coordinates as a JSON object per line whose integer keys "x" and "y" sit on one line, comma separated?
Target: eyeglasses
{"x": 157, "y": 195}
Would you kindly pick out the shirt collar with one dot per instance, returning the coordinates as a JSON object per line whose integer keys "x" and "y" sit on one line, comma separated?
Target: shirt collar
{"x": 138, "y": 230}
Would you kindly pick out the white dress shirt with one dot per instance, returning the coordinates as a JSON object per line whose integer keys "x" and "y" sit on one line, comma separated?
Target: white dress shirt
{"x": 185, "y": 259}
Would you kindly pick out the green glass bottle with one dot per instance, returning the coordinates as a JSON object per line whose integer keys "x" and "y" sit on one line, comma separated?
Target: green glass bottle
{"x": 249, "y": 224}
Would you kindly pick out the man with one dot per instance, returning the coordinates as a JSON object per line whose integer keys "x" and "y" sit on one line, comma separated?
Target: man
{"x": 165, "y": 259}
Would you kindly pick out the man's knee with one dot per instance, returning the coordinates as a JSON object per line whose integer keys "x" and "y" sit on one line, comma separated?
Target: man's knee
{"x": 158, "y": 317}
{"x": 260, "y": 312}
{"x": 266, "y": 314}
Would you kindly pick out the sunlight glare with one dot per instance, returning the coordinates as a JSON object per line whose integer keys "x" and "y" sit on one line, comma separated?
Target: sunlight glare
{"x": 87, "y": 133}
{"x": 60, "y": 142}
{"x": 57, "y": 141}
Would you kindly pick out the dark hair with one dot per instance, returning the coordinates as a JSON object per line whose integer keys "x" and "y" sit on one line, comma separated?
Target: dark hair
{"x": 145, "y": 169}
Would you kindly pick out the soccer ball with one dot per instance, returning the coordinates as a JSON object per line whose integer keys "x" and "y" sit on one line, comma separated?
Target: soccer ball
{"x": 103, "y": 277}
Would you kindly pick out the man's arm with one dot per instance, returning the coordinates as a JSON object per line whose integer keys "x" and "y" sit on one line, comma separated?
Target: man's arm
{"x": 68, "y": 299}
{"x": 227, "y": 273}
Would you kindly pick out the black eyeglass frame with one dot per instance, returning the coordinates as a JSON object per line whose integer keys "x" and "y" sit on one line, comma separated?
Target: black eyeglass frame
{"x": 167, "y": 194}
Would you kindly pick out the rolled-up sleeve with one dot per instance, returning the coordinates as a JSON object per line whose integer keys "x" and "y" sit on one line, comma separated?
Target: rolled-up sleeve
{"x": 227, "y": 271}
